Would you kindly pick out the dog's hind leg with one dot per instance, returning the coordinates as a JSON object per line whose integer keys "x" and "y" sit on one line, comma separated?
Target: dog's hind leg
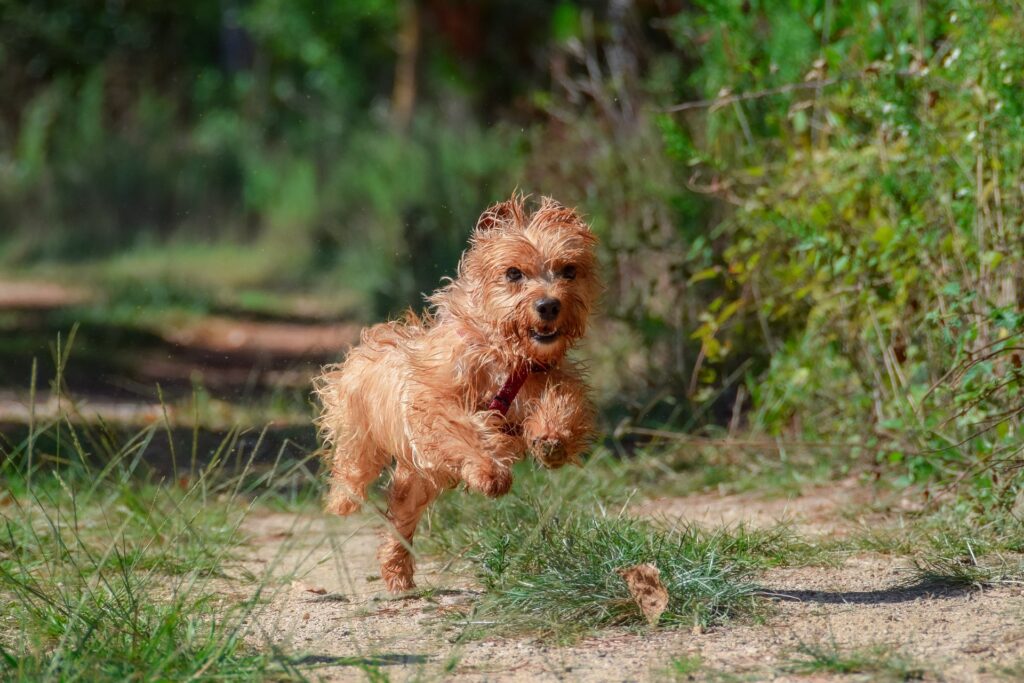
{"x": 356, "y": 463}
{"x": 409, "y": 496}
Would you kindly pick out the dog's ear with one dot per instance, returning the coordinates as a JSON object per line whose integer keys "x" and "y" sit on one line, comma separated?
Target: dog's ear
{"x": 502, "y": 215}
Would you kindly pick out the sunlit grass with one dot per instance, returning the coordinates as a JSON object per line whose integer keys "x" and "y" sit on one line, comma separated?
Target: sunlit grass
{"x": 547, "y": 555}
{"x": 111, "y": 572}
{"x": 880, "y": 662}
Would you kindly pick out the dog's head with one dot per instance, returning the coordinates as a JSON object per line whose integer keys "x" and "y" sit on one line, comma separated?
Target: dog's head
{"x": 531, "y": 277}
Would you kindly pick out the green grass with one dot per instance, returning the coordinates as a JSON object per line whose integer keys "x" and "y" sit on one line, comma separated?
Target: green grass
{"x": 880, "y": 662}
{"x": 669, "y": 469}
{"x": 968, "y": 570}
{"x": 110, "y": 574}
{"x": 693, "y": 668}
{"x": 563, "y": 574}
{"x": 949, "y": 546}
{"x": 548, "y": 552}
{"x": 685, "y": 667}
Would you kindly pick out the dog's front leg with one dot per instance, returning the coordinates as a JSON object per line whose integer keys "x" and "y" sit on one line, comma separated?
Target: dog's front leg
{"x": 466, "y": 446}
{"x": 489, "y": 470}
{"x": 560, "y": 420}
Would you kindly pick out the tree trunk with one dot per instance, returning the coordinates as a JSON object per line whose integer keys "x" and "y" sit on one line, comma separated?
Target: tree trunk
{"x": 403, "y": 95}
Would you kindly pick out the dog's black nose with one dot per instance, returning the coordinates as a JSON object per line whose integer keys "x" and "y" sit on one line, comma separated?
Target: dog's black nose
{"x": 548, "y": 308}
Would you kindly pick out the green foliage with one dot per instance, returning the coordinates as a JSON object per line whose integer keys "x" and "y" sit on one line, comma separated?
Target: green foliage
{"x": 875, "y": 237}
{"x": 268, "y": 126}
{"x": 395, "y": 240}
{"x": 822, "y": 243}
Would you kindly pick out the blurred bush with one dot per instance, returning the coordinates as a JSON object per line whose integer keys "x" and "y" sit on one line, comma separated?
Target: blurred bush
{"x": 810, "y": 211}
{"x": 872, "y": 165}
{"x": 263, "y": 124}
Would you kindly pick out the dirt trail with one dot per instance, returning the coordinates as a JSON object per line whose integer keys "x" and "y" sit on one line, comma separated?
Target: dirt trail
{"x": 40, "y": 295}
{"x": 953, "y": 635}
{"x": 836, "y": 509}
{"x": 238, "y": 356}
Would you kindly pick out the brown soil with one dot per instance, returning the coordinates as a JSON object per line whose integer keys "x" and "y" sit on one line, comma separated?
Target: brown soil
{"x": 332, "y": 612}
{"x": 33, "y": 295}
{"x": 231, "y": 357}
{"x": 836, "y": 509}
{"x": 231, "y": 335}
{"x": 18, "y": 408}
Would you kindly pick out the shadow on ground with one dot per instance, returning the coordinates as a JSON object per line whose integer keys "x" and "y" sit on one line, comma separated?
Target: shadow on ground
{"x": 387, "y": 659}
{"x": 927, "y": 590}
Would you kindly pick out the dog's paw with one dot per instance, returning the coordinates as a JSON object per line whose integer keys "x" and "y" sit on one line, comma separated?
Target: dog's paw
{"x": 396, "y": 566}
{"x": 340, "y": 502}
{"x": 550, "y": 452}
{"x": 345, "y": 507}
{"x": 398, "y": 583}
{"x": 397, "y": 573}
{"x": 489, "y": 478}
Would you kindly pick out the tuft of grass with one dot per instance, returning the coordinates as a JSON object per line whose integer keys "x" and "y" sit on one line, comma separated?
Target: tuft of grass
{"x": 879, "y": 661}
{"x": 1012, "y": 672}
{"x": 685, "y": 667}
{"x": 564, "y": 574}
{"x": 966, "y": 570}
{"x": 548, "y": 552}
{"x": 110, "y": 575}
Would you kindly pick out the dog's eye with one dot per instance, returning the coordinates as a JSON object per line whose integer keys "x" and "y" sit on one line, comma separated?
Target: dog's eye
{"x": 569, "y": 272}
{"x": 513, "y": 275}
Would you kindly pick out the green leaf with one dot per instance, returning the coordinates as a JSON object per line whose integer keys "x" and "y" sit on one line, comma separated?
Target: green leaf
{"x": 705, "y": 274}
{"x": 883, "y": 235}
{"x": 565, "y": 22}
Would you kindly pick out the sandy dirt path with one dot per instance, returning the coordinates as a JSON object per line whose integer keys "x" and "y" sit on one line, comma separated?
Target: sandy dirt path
{"x": 348, "y": 623}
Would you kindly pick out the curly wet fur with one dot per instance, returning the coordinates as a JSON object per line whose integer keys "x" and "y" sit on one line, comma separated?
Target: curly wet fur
{"x": 415, "y": 391}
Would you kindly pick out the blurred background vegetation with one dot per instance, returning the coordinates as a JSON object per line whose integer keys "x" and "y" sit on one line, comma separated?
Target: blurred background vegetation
{"x": 810, "y": 210}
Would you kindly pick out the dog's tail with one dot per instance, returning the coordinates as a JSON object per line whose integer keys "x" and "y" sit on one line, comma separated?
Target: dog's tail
{"x": 328, "y": 388}
{"x": 348, "y": 447}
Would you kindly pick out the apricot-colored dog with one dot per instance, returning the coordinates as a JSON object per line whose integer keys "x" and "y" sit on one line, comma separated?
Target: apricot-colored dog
{"x": 467, "y": 389}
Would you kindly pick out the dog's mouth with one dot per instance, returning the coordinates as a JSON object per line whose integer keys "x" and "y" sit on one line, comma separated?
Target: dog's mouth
{"x": 544, "y": 337}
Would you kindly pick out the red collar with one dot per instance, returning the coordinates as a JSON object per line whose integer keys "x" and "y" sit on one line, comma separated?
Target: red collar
{"x": 502, "y": 401}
